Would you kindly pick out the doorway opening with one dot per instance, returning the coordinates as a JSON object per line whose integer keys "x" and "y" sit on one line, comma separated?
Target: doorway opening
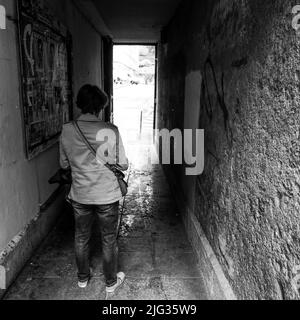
{"x": 134, "y": 98}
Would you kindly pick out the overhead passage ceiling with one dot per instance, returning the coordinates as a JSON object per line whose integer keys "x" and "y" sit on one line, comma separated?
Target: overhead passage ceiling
{"x": 136, "y": 20}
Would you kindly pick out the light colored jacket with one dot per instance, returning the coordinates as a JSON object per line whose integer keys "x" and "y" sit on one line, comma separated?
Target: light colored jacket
{"x": 93, "y": 183}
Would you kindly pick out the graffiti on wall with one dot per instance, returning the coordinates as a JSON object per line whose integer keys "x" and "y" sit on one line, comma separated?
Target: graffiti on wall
{"x": 214, "y": 94}
{"x": 45, "y": 60}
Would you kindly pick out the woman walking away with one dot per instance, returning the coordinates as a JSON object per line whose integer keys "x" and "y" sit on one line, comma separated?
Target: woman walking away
{"x": 86, "y": 146}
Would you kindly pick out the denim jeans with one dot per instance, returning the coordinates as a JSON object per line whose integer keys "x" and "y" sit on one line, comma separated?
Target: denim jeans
{"x": 108, "y": 221}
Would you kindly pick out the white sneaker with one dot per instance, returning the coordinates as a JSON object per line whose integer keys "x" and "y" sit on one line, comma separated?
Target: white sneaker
{"x": 82, "y": 285}
{"x": 120, "y": 280}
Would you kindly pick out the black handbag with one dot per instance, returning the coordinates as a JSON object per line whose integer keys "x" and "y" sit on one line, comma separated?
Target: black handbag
{"x": 114, "y": 168}
{"x": 62, "y": 177}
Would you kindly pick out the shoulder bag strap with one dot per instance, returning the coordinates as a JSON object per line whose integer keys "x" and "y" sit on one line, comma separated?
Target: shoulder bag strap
{"x": 87, "y": 143}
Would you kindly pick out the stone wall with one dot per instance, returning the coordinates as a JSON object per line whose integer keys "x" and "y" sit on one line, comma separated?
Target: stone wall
{"x": 247, "y": 199}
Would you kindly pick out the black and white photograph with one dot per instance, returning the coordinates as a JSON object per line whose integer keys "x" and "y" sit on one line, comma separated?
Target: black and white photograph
{"x": 149, "y": 154}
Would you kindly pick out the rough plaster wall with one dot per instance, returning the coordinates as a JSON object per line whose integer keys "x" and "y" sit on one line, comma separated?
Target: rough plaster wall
{"x": 191, "y": 121}
{"x": 248, "y": 197}
{"x": 23, "y": 184}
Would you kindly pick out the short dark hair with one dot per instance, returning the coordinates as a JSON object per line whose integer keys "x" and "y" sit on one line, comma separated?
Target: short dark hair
{"x": 91, "y": 99}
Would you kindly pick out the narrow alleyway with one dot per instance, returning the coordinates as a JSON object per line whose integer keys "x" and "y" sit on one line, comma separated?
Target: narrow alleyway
{"x": 154, "y": 251}
{"x": 219, "y": 82}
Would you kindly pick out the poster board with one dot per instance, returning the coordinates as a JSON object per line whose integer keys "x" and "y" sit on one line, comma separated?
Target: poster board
{"x": 45, "y": 53}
